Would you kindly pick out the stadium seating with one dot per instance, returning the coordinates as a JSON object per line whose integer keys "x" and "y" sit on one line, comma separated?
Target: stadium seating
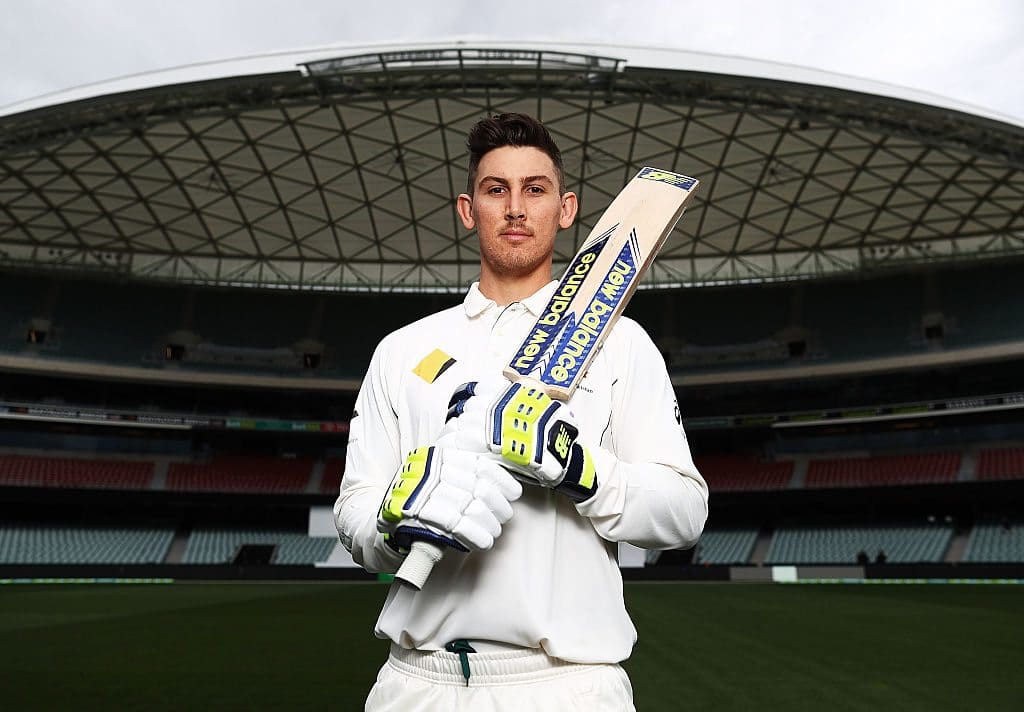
{"x": 83, "y": 545}
{"x": 22, "y": 299}
{"x": 992, "y": 542}
{"x": 252, "y": 319}
{"x": 31, "y": 471}
{"x": 877, "y": 317}
{"x": 841, "y": 545}
{"x": 733, "y": 472}
{"x": 728, "y": 328}
{"x": 239, "y": 473}
{"x": 704, "y": 338}
{"x": 109, "y": 323}
{"x": 725, "y": 546}
{"x": 334, "y": 468}
{"x": 1001, "y": 464}
{"x": 985, "y": 303}
{"x": 219, "y": 546}
{"x": 883, "y": 470}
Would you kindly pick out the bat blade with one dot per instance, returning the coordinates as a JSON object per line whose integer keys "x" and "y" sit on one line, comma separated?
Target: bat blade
{"x": 599, "y": 282}
{"x": 590, "y": 296}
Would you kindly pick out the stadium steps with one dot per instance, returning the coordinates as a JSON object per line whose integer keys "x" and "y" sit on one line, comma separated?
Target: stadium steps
{"x": 220, "y": 546}
{"x": 316, "y": 477}
{"x": 176, "y": 551}
{"x": 957, "y": 546}
{"x": 968, "y": 465}
{"x": 799, "y": 473}
{"x": 160, "y": 473}
{"x": 761, "y": 546}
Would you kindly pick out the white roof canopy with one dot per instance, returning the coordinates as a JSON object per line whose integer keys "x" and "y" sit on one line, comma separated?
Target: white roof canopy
{"x": 338, "y": 170}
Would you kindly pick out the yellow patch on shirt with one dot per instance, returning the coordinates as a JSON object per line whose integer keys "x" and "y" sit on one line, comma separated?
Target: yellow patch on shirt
{"x": 433, "y": 365}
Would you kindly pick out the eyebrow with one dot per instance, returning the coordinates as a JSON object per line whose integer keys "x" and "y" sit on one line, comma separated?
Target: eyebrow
{"x": 528, "y": 179}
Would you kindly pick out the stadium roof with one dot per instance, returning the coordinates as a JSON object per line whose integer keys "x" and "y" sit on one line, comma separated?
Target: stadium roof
{"x": 336, "y": 168}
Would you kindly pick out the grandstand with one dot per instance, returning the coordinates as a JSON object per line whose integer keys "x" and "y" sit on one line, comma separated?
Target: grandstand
{"x": 1001, "y": 463}
{"x": 220, "y": 546}
{"x": 183, "y": 266}
{"x": 43, "y": 544}
{"x": 890, "y": 470}
{"x": 726, "y": 546}
{"x": 996, "y": 542}
{"x": 731, "y": 472}
{"x": 241, "y": 473}
{"x": 28, "y": 471}
{"x": 843, "y": 545}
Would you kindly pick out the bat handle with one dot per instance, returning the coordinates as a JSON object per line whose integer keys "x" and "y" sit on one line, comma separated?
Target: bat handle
{"x": 418, "y": 564}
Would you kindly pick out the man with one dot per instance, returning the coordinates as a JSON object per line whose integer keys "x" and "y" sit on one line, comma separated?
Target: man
{"x": 525, "y": 611}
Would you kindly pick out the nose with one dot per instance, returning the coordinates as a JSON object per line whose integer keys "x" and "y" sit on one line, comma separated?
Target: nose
{"x": 515, "y": 210}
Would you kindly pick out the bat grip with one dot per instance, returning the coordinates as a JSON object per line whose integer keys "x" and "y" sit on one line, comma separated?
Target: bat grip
{"x": 418, "y": 564}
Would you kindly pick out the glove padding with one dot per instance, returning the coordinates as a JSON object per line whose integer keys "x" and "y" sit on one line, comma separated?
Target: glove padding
{"x": 447, "y": 496}
{"x": 535, "y": 435}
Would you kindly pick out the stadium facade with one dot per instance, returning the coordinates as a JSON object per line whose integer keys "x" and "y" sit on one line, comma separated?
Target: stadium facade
{"x": 183, "y": 256}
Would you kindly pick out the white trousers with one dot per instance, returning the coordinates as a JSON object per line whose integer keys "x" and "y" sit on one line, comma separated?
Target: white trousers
{"x": 525, "y": 680}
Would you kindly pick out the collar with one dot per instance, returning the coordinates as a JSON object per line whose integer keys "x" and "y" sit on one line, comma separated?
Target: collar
{"x": 476, "y": 303}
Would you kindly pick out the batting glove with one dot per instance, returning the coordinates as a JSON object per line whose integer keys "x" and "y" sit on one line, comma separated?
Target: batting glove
{"x": 535, "y": 436}
{"x": 448, "y": 497}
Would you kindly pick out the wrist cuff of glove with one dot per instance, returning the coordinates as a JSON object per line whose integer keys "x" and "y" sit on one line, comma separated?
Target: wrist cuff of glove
{"x": 402, "y": 538}
{"x": 580, "y": 481}
{"x": 392, "y": 543}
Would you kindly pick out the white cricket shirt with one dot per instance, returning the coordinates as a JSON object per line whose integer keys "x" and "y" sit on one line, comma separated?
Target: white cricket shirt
{"x": 552, "y": 580}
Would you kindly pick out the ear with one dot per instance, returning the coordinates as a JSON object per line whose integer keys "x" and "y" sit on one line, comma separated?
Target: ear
{"x": 570, "y": 205}
{"x": 464, "y": 207}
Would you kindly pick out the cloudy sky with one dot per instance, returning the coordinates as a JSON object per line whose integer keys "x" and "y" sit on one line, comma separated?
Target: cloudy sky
{"x": 971, "y": 52}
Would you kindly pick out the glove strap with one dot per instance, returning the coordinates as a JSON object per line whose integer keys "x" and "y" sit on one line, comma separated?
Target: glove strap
{"x": 580, "y": 481}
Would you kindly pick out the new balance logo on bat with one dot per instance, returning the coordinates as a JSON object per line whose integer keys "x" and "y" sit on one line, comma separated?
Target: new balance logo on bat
{"x": 581, "y": 337}
{"x": 684, "y": 182}
{"x": 552, "y": 320}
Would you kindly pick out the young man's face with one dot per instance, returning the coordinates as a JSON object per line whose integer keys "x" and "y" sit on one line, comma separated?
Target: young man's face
{"x": 517, "y": 211}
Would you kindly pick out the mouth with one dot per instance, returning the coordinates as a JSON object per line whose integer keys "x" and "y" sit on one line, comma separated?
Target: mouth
{"x": 516, "y": 234}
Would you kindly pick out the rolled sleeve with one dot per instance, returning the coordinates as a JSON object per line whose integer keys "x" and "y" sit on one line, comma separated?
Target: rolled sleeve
{"x": 650, "y": 494}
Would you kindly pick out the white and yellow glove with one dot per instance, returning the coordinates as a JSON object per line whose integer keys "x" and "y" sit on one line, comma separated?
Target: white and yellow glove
{"x": 449, "y": 497}
{"x": 535, "y": 435}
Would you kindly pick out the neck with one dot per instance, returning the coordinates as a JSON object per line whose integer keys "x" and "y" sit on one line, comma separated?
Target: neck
{"x": 503, "y": 290}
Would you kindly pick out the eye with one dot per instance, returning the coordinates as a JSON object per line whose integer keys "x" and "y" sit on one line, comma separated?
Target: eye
{"x": 496, "y": 190}
{"x": 534, "y": 190}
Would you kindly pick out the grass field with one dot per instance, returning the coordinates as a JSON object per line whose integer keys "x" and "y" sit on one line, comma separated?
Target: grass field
{"x": 702, "y": 646}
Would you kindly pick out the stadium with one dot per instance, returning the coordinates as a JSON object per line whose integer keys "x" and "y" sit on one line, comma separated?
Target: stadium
{"x": 196, "y": 265}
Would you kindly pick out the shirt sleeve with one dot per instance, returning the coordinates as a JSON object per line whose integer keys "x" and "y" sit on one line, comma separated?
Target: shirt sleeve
{"x": 649, "y": 493}
{"x": 372, "y": 459}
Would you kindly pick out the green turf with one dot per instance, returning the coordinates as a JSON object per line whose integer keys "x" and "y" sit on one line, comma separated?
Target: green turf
{"x": 842, "y": 647}
{"x": 702, "y": 646}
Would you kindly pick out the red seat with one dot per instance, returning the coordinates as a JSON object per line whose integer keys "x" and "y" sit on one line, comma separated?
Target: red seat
{"x": 334, "y": 469}
{"x": 883, "y": 470}
{"x": 735, "y": 472}
{"x": 242, "y": 473}
{"x": 1001, "y": 464}
{"x": 32, "y": 471}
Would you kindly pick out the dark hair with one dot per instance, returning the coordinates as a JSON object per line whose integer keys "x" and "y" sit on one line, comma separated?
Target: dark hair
{"x": 511, "y": 130}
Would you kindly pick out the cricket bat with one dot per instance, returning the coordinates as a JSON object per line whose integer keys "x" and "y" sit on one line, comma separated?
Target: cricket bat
{"x": 589, "y": 299}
